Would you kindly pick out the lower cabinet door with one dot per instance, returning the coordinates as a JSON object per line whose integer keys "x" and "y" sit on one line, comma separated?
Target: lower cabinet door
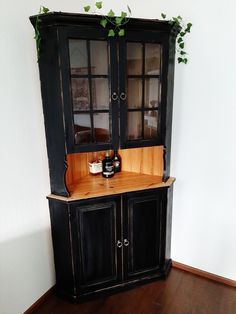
{"x": 96, "y": 228}
{"x": 143, "y": 234}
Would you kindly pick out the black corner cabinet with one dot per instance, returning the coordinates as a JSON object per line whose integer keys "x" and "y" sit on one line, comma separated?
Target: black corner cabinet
{"x": 103, "y": 93}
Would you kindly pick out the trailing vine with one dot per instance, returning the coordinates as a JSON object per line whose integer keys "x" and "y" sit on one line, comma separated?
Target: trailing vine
{"x": 37, "y": 35}
{"x": 184, "y": 29}
{"x": 115, "y": 24}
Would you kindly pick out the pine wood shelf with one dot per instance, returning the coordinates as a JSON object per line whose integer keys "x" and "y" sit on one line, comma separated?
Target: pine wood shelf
{"x": 96, "y": 186}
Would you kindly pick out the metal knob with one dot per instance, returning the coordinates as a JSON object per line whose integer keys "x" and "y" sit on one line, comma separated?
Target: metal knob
{"x": 123, "y": 96}
{"x": 126, "y": 242}
{"x": 119, "y": 244}
{"x": 114, "y": 96}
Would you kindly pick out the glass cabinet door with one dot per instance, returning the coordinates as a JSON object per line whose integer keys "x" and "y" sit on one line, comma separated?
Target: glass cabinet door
{"x": 143, "y": 63}
{"x": 90, "y": 81}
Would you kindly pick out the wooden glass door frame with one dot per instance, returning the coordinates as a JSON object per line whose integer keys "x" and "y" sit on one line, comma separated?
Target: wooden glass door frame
{"x": 86, "y": 33}
{"x": 143, "y": 37}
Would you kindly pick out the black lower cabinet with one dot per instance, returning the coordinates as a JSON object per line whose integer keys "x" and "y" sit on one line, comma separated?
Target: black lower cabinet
{"x": 96, "y": 230}
{"x": 142, "y": 231}
{"x": 110, "y": 243}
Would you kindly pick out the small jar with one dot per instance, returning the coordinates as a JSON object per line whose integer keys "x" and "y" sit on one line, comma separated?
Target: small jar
{"x": 95, "y": 165}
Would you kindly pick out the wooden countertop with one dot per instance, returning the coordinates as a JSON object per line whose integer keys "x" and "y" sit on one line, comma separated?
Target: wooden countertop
{"x": 95, "y": 186}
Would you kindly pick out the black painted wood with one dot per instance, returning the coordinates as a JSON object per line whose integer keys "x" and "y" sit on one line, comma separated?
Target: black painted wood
{"x": 143, "y": 213}
{"x": 63, "y": 249}
{"x": 168, "y": 103}
{"x": 110, "y": 243}
{"x": 96, "y": 230}
{"x": 56, "y": 29}
{"x": 50, "y": 74}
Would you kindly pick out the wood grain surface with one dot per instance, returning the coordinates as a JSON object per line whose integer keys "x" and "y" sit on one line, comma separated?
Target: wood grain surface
{"x": 95, "y": 186}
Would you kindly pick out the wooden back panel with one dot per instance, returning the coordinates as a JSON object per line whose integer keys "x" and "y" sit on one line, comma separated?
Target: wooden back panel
{"x": 145, "y": 160}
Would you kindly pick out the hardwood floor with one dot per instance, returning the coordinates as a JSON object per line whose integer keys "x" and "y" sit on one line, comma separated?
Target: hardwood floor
{"x": 180, "y": 293}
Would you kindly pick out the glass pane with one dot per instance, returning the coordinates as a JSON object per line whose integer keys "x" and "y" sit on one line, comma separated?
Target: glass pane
{"x": 150, "y": 124}
{"x": 83, "y": 132}
{"x": 80, "y": 93}
{"x": 99, "y": 57}
{"x": 152, "y": 87}
{"x": 100, "y": 93}
{"x": 134, "y": 127}
{"x": 134, "y": 93}
{"x": 152, "y": 59}
{"x": 78, "y": 56}
{"x": 102, "y": 127}
{"x": 134, "y": 59}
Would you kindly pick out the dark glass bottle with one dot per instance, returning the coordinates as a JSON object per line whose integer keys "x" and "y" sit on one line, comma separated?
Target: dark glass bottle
{"x": 107, "y": 166}
{"x": 116, "y": 161}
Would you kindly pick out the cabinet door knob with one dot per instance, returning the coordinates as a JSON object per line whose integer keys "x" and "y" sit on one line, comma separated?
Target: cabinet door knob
{"x": 126, "y": 242}
{"x": 123, "y": 96}
{"x": 119, "y": 244}
{"x": 114, "y": 96}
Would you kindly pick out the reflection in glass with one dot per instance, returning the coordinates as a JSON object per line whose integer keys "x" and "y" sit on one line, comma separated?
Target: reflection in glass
{"x": 100, "y": 93}
{"x": 80, "y": 93}
{"x": 152, "y": 59}
{"x": 78, "y": 56}
{"x": 82, "y": 127}
{"x": 101, "y": 127}
{"x": 134, "y": 127}
{"x": 134, "y": 93}
{"x": 99, "y": 57}
{"x": 152, "y": 88}
{"x": 134, "y": 58}
{"x": 150, "y": 124}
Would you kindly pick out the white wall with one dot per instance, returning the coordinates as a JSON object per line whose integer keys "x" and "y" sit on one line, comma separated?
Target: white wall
{"x": 203, "y": 150}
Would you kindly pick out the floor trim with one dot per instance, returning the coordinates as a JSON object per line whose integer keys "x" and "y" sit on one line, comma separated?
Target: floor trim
{"x": 40, "y": 301}
{"x": 177, "y": 265}
{"x": 204, "y": 274}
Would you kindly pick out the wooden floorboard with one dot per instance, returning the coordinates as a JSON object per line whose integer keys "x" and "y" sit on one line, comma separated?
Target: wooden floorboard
{"x": 180, "y": 293}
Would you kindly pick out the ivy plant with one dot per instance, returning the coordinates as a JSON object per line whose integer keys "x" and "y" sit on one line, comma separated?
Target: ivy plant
{"x": 37, "y": 35}
{"x": 184, "y": 29}
{"x": 114, "y": 24}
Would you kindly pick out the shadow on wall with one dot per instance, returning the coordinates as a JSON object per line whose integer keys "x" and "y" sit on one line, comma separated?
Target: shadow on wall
{"x": 26, "y": 271}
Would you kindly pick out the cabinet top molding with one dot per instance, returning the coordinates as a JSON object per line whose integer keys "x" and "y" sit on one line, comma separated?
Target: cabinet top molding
{"x": 63, "y": 18}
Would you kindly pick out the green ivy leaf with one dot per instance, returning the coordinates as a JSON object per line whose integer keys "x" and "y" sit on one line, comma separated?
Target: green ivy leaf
{"x": 103, "y": 22}
{"x": 183, "y": 53}
{"x": 118, "y": 20}
{"x": 129, "y": 9}
{"x": 163, "y": 15}
{"x": 182, "y": 34}
{"x": 188, "y": 28}
{"x": 185, "y": 60}
{"x": 111, "y": 13}
{"x": 99, "y": 4}
{"x": 111, "y": 33}
{"x": 87, "y": 8}
{"x": 45, "y": 10}
{"x": 121, "y": 32}
{"x": 180, "y": 60}
{"x": 123, "y": 14}
{"x": 180, "y": 39}
{"x": 181, "y": 45}
{"x": 175, "y": 20}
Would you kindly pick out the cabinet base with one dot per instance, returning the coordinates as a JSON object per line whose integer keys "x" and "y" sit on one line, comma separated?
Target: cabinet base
{"x": 116, "y": 288}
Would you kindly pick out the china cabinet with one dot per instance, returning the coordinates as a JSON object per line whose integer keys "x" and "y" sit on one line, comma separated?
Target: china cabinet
{"x": 103, "y": 93}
